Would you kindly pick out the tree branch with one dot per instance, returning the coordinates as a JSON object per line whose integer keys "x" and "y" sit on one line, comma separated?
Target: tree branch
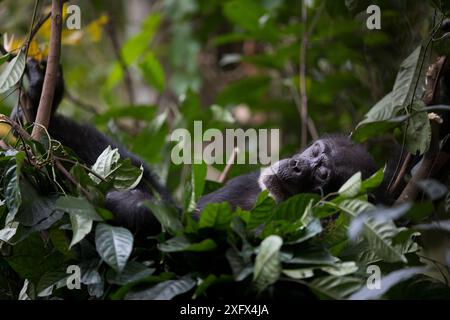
{"x": 432, "y": 162}
{"x": 302, "y": 75}
{"x": 48, "y": 90}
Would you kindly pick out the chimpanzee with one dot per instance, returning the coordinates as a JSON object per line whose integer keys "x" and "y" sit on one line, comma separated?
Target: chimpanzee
{"x": 321, "y": 168}
{"x": 88, "y": 143}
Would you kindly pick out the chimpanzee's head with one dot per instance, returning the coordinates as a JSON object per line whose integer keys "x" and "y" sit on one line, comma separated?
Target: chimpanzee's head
{"x": 321, "y": 168}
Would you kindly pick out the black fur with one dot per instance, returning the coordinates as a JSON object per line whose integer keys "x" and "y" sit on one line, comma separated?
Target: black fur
{"x": 88, "y": 143}
{"x": 321, "y": 168}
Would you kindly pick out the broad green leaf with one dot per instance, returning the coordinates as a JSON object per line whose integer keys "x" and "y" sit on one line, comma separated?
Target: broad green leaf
{"x": 355, "y": 206}
{"x": 4, "y": 58}
{"x": 380, "y": 119}
{"x": 294, "y": 208}
{"x": 35, "y": 207}
{"x": 407, "y": 79}
{"x": 216, "y": 215}
{"x": 81, "y": 226}
{"x": 387, "y": 282}
{"x": 152, "y": 71}
{"x": 376, "y": 128}
{"x": 168, "y": 216}
{"x": 244, "y": 13}
{"x": 418, "y": 130}
{"x": 139, "y": 112}
{"x": 166, "y": 290}
{"x": 106, "y": 162}
{"x": 262, "y": 211}
{"x": 77, "y": 206}
{"x": 373, "y": 181}
{"x": 126, "y": 175}
{"x": 114, "y": 245}
{"x": 181, "y": 243}
{"x": 49, "y": 281}
{"x": 267, "y": 264}
{"x": 13, "y": 72}
{"x": 13, "y": 197}
{"x": 302, "y": 273}
{"x": 341, "y": 268}
{"x": 59, "y": 241}
{"x": 209, "y": 281}
{"x": 9, "y": 231}
{"x": 379, "y": 214}
{"x": 379, "y": 234}
{"x": 334, "y": 287}
{"x": 352, "y": 187}
{"x": 198, "y": 176}
{"x": 133, "y": 272}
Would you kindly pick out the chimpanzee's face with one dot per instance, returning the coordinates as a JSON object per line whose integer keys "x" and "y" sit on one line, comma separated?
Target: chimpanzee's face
{"x": 321, "y": 168}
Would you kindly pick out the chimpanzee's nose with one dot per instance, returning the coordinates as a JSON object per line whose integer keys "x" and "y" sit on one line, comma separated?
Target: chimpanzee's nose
{"x": 300, "y": 167}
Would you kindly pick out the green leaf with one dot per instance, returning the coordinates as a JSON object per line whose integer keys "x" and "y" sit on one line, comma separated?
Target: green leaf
{"x": 379, "y": 235}
{"x": 9, "y": 231}
{"x": 209, "y": 281}
{"x": 380, "y": 119}
{"x": 407, "y": 78}
{"x": 262, "y": 211}
{"x": 114, "y": 245}
{"x": 181, "y": 243}
{"x": 373, "y": 181}
{"x": 133, "y": 272}
{"x": 216, "y": 215}
{"x": 294, "y": 208}
{"x": 418, "y": 130}
{"x": 59, "y": 241}
{"x": 106, "y": 163}
{"x": 166, "y": 290}
{"x": 302, "y": 273}
{"x": 198, "y": 176}
{"x": 13, "y": 72}
{"x": 4, "y": 58}
{"x": 152, "y": 71}
{"x": 126, "y": 175}
{"x": 13, "y": 197}
{"x": 35, "y": 207}
{"x": 81, "y": 226}
{"x": 334, "y": 287}
{"x": 244, "y": 13}
{"x": 77, "y": 206}
{"x": 168, "y": 216}
{"x": 387, "y": 282}
{"x": 341, "y": 268}
{"x": 139, "y": 112}
{"x": 352, "y": 187}
{"x": 49, "y": 281}
{"x": 267, "y": 264}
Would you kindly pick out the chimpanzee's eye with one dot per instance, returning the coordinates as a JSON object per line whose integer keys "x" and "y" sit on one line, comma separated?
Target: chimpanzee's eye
{"x": 322, "y": 173}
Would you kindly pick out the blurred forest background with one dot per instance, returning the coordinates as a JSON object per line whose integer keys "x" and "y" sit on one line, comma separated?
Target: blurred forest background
{"x": 229, "y": 63}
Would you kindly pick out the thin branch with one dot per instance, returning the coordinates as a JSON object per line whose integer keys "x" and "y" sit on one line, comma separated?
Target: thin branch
{"x": 302, "y": 75}
{"x": 81, "y": 165}
{"x": 311, "y": 125}
{"x": 72, "y": 179}
{"x": 394, "y": 189}
{"x": 48, "y": 90}
{"x": 224, "y": 174}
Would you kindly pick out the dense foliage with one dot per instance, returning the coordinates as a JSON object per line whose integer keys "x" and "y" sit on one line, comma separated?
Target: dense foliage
{"x": 309, "y": 246}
